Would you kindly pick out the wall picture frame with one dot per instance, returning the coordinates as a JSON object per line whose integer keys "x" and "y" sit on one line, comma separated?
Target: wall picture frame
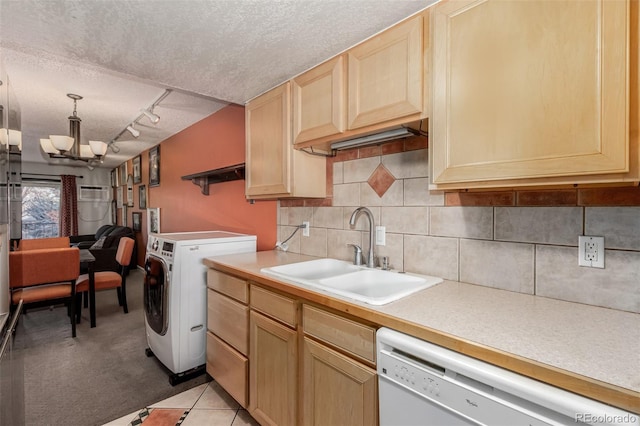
{"x": 130, "y": 191}
{"x": 114, "y": 212}
{"x": 142, "y": 196}
{"x": 114, "y": 178}
{"x": 137, "y": 169}
{"x": 124, "y": 215}
{"x": 154, "y": 166}
{"x": 136, "y": 221}
{"x": 123, "y": 173}
{"x": 153, "y": 220}
{"x": 119, "y": 197}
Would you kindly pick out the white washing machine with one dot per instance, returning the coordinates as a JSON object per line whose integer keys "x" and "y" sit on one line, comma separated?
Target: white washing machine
{"x": 175, "y": 295}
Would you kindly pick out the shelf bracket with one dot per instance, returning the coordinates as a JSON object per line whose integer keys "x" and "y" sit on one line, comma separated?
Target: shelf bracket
{"x": 224, "y": 174}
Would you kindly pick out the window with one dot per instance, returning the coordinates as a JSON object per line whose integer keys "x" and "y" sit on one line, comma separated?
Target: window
{"x": 40, "y": 209}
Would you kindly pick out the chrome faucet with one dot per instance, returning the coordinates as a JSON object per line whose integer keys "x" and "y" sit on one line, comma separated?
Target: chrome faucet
{"x": 357, "y": 254}
{"x": 372, "y": 230}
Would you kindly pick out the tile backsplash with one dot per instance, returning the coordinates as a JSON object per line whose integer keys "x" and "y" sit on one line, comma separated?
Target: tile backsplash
{"x": 523, "y": 241}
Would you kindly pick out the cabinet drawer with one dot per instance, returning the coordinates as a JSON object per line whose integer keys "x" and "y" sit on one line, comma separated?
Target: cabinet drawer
{"x": 357, "y": 339}
{"x": 279, "y": 307}
{"x": 229, "y": 285}
{"x": 228, "y": 367}
{"x": 228, "y": 319}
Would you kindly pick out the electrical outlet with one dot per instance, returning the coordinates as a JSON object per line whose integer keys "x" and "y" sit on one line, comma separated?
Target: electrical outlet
{"x": 381, "y": 236}
{"x": 305, "y": 230}
{"x": 591, "y": 251}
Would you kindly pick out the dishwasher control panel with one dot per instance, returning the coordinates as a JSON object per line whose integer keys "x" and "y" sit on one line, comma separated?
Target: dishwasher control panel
{"x": 410, "y": 376}
{"x": 422, "y": 383}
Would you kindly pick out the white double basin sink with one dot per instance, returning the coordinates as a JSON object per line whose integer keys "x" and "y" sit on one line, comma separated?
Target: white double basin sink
{"x": 372, "y": 286}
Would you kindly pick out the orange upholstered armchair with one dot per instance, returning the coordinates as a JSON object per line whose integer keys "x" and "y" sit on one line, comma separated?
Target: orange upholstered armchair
{"x": 44, "y": 277}
{"x": 44, "y": 243}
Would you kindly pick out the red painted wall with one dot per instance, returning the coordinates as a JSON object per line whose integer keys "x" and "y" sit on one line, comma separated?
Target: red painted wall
{"x": 217, "y": 141}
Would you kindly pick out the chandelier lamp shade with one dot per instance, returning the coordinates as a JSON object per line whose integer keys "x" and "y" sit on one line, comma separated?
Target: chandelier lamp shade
{"x": 70, "y": 147}
{"x": 15, "y": 139}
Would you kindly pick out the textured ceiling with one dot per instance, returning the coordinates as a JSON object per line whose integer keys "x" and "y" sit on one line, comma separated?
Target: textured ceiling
{"x": 121, "y": 55}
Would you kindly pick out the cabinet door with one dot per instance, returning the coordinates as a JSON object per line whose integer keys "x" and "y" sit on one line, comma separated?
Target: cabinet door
{"x": 319, "y": 100}
{"x": 529, "y": 89}
{"x": 273, "y": 168}
{"x": 273, "y": 371}
{"x": 385, "y": 75}
{"x": 268, "y": 140}
{"x": 337, "y": 389}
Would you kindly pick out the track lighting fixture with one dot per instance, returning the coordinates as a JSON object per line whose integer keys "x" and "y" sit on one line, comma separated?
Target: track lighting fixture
{"x": 135, "y": 133}
{"x": 148, "y": 112}
{"x": 115, "y": 148}
{"x": 154, "y": 118}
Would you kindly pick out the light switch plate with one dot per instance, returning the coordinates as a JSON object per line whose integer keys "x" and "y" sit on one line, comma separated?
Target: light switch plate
{"x": 591, "y": 251}
{"x": 381, "y": 236}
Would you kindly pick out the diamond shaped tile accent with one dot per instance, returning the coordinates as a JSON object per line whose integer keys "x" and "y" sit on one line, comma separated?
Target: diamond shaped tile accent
{"x": 381, "y": 180}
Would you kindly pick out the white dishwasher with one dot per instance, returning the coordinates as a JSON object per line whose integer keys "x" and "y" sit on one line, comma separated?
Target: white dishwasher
{"x": 424, "y": 384}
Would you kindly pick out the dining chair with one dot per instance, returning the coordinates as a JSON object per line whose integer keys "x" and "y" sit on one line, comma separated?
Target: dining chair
{"x": 109, "y": 279}
{"x": 44, "y": 277}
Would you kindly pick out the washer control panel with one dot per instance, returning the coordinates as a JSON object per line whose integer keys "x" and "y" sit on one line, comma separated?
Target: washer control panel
{"x": 161, "y": 247}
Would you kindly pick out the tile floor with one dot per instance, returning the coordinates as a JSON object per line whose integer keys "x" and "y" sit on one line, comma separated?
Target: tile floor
{"x": 205, "y": 404}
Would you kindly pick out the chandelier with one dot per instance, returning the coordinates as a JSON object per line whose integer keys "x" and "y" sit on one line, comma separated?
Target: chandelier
{"x": 69, "y": 147}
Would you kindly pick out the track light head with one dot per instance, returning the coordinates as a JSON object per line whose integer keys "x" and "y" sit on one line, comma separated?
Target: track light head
{"x": 133, "y": 131}
{"x": 154, "y": 118}
{"x": 115, "y": 148}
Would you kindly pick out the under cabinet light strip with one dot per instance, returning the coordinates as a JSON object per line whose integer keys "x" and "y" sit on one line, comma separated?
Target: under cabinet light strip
{"x": 375, "y": 138}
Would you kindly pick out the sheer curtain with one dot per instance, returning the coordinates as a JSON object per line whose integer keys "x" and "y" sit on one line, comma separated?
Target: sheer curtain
{"x": 68, "y": 206}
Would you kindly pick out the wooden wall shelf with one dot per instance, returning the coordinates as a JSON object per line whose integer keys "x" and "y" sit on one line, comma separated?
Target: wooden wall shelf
{"x": 224, "y": 174}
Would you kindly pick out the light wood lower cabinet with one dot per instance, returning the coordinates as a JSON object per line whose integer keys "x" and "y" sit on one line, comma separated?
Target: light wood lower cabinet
{"x": 228, "y": 333}
{"x": 272, "y": 371}
{"x": 289, "y": 362}
{"x": 337, "y": 389}
{"x": 229, "y": 320}
{"x": 228, "y": 367}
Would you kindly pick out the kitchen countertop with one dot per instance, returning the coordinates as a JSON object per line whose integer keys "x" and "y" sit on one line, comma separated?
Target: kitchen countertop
{"x": 586, "y": 349}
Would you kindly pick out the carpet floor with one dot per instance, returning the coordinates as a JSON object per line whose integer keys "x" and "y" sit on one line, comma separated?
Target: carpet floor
{"x": 99, "y": 376}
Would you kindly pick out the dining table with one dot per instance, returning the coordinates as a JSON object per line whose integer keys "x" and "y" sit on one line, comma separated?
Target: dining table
{"x": 87, "y": 260}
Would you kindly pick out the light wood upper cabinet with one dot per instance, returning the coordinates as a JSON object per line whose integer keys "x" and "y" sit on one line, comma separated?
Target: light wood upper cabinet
{"x": 319, "y": 101}
{"x": 385, "y": 75}
{"x": 533, "y": 93}
{"x": 273, "y": 168}
{"x": 378, "y": 84}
